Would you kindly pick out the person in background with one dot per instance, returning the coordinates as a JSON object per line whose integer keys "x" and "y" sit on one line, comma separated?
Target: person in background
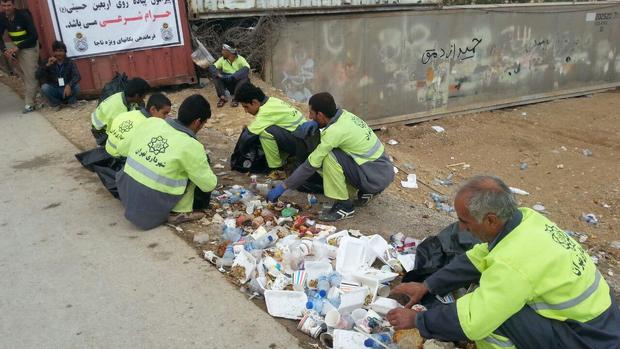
{"x": 23, "y": 48}
{"x": 229, "y": 72}
{"x": 132, "y": 97}
{"x": 60, "y": 78}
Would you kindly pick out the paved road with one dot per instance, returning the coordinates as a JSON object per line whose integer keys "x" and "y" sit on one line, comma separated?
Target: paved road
{"x": 75, "y": 274}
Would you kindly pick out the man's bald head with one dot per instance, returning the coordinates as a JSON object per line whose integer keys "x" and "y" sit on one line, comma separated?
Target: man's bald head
{"x": 488, "y": 194}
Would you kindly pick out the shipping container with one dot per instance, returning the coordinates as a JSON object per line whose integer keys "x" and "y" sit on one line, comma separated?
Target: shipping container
{"x": 160, "y": 66}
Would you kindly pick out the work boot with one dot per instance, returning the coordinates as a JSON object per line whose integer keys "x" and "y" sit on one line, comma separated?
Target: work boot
{"x": 277, "y": 175}
{"x": 340, "y": 210}
{"x": 184, "y": 217}
{"x": 362, "y": 199}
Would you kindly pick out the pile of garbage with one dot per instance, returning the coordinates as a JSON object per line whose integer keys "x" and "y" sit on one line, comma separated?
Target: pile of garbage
{"x": 335, "y": 283}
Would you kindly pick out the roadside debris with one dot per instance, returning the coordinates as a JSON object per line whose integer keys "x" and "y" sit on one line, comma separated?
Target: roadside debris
{"x": 438, "y": 129}
{"x": 411, "y": 182}
{"x": 518, "y": 191}
{"x": 392, "y": 142}
{"x": 586, "y": 152}
{"x": 589, "y": 218}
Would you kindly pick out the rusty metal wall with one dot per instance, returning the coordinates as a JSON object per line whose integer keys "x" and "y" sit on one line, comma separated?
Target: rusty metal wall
{"x": 394, "y": 67}
{"x": 159, "y": 66}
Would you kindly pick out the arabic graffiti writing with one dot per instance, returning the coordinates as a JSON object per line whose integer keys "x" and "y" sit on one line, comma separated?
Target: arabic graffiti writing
{"x": 461, "y": 54}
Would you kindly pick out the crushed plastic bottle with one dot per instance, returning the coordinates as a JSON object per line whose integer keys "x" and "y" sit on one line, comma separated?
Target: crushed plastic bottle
{"x": 378, "y": 339}
{"x": 289, "y": 212}
{"x": 232, "y": 234}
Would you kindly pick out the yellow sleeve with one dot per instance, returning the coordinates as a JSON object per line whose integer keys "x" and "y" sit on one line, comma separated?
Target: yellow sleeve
{"x": 198, "y": 169}
{"x": 328, "y": 142}
{"x": 259, "y": 125}
{"x": 502, "y": 293}
{"x": 219, "y": 63}
{"x": 476, "y": 256}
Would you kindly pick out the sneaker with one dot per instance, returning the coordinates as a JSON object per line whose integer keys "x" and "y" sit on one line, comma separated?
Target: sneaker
{"x": 362, "y": 199}
{"x": 340, "y": 210}
{"x": 178, "y": 218}
{"x": 277, "y": 175}
{"x": 27, "y": 109}
{"x": 221, "y": 102}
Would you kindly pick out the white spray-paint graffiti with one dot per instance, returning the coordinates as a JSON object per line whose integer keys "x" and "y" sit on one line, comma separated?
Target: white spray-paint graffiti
{"x": 427, "y": 64}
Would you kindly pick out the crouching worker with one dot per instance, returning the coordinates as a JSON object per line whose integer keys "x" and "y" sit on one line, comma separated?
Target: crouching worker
{"x": 538, "y": 288}
{"x": 124, "y": 125}
{"x": 274, "y": 124}
{"x": 167, "y": 174}
{"x": 132, "y": 97}
{"x": 229, "y": 72}
{"x": 349, "y": 157}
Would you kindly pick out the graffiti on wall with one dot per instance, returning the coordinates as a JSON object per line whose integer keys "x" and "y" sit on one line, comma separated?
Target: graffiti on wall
{"x": 411, "y": 63}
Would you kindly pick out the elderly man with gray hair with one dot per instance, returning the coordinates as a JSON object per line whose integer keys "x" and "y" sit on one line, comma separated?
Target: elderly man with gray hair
{"x": 229, "y": 72}
{"x": 538, "y": 288}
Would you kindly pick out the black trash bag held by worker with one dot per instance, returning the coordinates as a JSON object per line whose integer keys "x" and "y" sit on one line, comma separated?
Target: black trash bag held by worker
{"x": 248, "y": 155}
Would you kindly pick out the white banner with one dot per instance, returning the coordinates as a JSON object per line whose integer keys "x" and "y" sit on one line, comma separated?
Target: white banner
{"x": 90, "y": 27}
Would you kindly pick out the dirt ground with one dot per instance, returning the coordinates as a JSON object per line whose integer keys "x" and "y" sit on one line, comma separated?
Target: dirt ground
{"x": 541, "y": 148}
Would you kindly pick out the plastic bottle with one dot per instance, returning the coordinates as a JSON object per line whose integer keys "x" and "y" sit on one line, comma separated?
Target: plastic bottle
{"x": 264, "y": 241}
{"x": 232, "y": 234}
{"x": 315, "y": 303}
{"x": 335, "y": 279}
{"x": 333, "y": 296}
{"x": 323, "y": 284}
{"x": 227, "y": 258}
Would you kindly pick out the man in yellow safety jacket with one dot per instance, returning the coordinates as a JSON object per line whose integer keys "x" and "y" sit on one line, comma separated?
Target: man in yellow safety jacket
{"x": 350, "y": 157}
{"x": 274, "y": 124}
{"x": 229, "y": 72}
{"x": 132, "y": 97}
{"x": 124, "y": 125}
{"x": 538, "y": 288}
{"x": 23, "y": 48}
{"x": 167, "y": 169}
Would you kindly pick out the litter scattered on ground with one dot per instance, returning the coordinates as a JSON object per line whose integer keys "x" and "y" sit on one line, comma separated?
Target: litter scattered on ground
{"x": 335, "y": 283}
{"x": 615, "y": 244}
{"x": 560, "y": 166}
{"x": 581, "y": 237}
{"x": 523, "y": 166}
{"x": 539, "y": 208}
{"x": 589, "y": 218}
{"x": 518, "y": 191}
{"x": 523, "y": 114}
{"x": 441, "y": 203}
{"x": 445, "y": 182}
{"x": 392, "y": 142}
{"x": 411, "y": 182}
{"x": 438, "y": 129}
{"x": 586, "y": 152}
{"x": 409, "y": 166}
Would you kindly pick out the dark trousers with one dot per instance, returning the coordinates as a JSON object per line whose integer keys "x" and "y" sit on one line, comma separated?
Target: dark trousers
{"x": 231, "y": 85}
{"x": 54, "y": 94}
{"x": 201, "y": 199}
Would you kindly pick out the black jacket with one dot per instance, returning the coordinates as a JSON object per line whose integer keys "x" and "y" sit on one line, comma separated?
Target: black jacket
{"x": 22, "y": 21}
{"x": 66, "y": 69}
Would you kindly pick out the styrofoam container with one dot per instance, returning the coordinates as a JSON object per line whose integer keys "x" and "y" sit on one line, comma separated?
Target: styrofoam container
{"x": 376, "y": 274}
{"x": 314, "y": 269}
{"x": 407, "y": 261}
{"x": 351, "y": 255}
{"x": 286, "y": 304}
{"x": 352, "y": 300}
{"x": 344, "y": 339}
{"x": 382, "y": 305}
{"x": 247, "y": 261}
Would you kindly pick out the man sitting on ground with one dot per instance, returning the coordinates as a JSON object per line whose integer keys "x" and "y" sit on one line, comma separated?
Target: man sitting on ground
{"x": 538, "y": 286}
{"x": 167, "y": 169}
{"x": 274, "y": 123}
{"x": 350, "y": 157}
{"x": 124, "y": 125}
{"x": 132, "y": 97}
{"x": 60, "y": 78}
{"x": 229, "y": 72}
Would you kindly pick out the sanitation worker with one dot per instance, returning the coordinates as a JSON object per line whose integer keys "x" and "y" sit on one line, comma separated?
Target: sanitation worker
{"x": 229, "y": 72}
{"x": 274, "y": 124}
{"x": 349, "y": 157}
{"x": 132, "y": 97}
{"x": 167, "y": 173}
{"x": 124, "y": 125}
{"x": 538, "y": 288}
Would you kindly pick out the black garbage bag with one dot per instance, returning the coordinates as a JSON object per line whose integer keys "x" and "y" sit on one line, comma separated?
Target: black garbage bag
{"x": 436, "y": 251}
{"x": 104, "y": 165}
{"x": 248, "y": 155}
{"x": 117, "y": 84}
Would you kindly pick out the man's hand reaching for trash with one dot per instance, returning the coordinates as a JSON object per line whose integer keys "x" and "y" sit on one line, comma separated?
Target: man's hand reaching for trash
{"x": 415, "y": 291}
{"x": 275, "y": 193}
{"x": 402, "y": 318}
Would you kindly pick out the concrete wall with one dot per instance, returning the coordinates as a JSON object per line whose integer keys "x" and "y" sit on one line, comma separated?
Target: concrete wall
{"x": 398, "y": 66}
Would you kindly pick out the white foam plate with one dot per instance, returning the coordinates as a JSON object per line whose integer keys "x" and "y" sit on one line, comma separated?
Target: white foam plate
{"x": 286, "y": 304}
{"x": 348, "y": 340}
{"x": 351, "y": 255}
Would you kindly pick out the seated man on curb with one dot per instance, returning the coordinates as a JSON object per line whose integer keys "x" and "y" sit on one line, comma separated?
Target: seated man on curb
{"x": 349, "y": 157}
{"x": 229, "y": 72}
{"x": 538, "y": 286}
{"x": 60, "y": 78}
{"x": 132, "y": 97}
{"x": 167, "y": 169}
{"x": 274, "y": 124}
{"x": 124, "y": 125}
